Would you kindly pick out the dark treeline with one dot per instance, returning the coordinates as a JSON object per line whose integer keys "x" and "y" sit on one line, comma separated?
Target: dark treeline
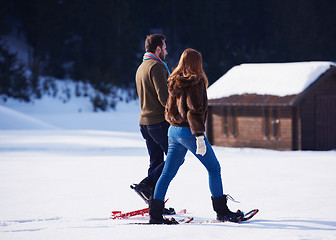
{"x": 102, "y": 41}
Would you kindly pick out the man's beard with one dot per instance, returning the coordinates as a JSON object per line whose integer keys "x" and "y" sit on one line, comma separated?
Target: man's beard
{"x": 162, "y": 56}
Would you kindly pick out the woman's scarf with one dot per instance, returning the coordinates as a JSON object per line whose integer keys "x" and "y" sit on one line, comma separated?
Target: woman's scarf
{"x": 153, "y": 56}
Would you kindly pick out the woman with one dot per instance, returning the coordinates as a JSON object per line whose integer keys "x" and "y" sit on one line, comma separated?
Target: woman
{"x": 186, "y": 110}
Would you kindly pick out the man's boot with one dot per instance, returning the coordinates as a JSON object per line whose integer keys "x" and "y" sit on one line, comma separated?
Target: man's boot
{"x": 144, "y": 189}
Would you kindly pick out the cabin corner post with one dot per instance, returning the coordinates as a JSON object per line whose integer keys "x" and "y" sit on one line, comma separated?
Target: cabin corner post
{"x": 296, "y": 129}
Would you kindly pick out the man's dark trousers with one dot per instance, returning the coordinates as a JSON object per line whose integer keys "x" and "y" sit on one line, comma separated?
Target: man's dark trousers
{"x": 157, "y": 145}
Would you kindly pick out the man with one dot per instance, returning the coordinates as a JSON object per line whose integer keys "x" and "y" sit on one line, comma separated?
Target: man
{"x": 151, "y": 82}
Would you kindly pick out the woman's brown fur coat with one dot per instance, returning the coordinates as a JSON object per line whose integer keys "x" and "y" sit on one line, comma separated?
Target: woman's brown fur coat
{"x": 187, "y": 103}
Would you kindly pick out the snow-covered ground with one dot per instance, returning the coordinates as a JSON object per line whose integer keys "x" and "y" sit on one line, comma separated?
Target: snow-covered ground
{"x": 63, "y": 172}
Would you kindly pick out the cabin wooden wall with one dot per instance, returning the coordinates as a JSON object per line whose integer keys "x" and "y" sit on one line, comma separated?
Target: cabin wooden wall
{"x": 250, "y": 124}
{"x": 325, "y": 87}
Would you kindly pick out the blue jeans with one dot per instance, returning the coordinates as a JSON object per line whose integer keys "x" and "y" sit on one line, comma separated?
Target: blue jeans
{"x": 157, "y": 145}
{"x": 180, "y": 141}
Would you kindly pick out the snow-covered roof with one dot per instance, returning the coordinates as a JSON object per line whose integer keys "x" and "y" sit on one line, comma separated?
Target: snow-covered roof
{"x": 279, "y": 79}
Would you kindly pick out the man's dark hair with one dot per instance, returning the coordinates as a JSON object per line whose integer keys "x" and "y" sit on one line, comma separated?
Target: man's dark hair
{"x": 153, "y": 41}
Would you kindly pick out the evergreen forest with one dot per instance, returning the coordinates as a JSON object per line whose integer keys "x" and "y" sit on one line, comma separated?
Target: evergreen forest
{"x": 102, "y": 41}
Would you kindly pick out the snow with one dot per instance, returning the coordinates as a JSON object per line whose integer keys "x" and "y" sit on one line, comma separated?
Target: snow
{"x": 279, "y": 79}
{"x": 63, "y": 172}
{"x": 14, "y": 119}
{"x": 61, "y": 109}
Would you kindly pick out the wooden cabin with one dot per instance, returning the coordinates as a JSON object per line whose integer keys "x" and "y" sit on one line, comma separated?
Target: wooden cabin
{"x": 301, "y": 120}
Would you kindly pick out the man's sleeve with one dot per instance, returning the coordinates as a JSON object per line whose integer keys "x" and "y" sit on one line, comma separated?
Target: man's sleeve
{"x": 159, "y": 78}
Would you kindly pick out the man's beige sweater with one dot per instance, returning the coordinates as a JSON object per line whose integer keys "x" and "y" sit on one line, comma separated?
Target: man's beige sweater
{"x": 151, "y": 82}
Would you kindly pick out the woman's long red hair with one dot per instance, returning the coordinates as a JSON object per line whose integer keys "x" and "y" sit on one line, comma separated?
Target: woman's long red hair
{"x": 190, "y": 66}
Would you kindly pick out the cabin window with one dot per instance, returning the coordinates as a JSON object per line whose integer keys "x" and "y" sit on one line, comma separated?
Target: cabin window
{"x": 230, "y": 122}
{"x": 271, "y": 123}
{"x": 226, "y": 122}
{"x": 266, "y": 123}
{"x": 275, "y": 123}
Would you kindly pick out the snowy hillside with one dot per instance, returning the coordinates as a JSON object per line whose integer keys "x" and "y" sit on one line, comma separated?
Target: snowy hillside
{"x": 60, "y": 107}
{"x": 63, "y": 172}
{"x": 13, "y": 119}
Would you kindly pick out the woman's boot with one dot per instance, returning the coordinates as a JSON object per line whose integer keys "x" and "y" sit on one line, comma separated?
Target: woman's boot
{"x": 223, "y": 212}
{"x": 156, "y": 211}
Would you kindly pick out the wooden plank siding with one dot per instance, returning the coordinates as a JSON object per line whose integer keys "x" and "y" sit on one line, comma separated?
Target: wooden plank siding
{"x": 326, "y": 86}
{"x": 250, "y": 123}
{"x": 326, "y": 122}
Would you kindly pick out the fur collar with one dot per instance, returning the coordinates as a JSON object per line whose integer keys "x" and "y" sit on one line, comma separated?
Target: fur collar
{"x": 179, "y": 83}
